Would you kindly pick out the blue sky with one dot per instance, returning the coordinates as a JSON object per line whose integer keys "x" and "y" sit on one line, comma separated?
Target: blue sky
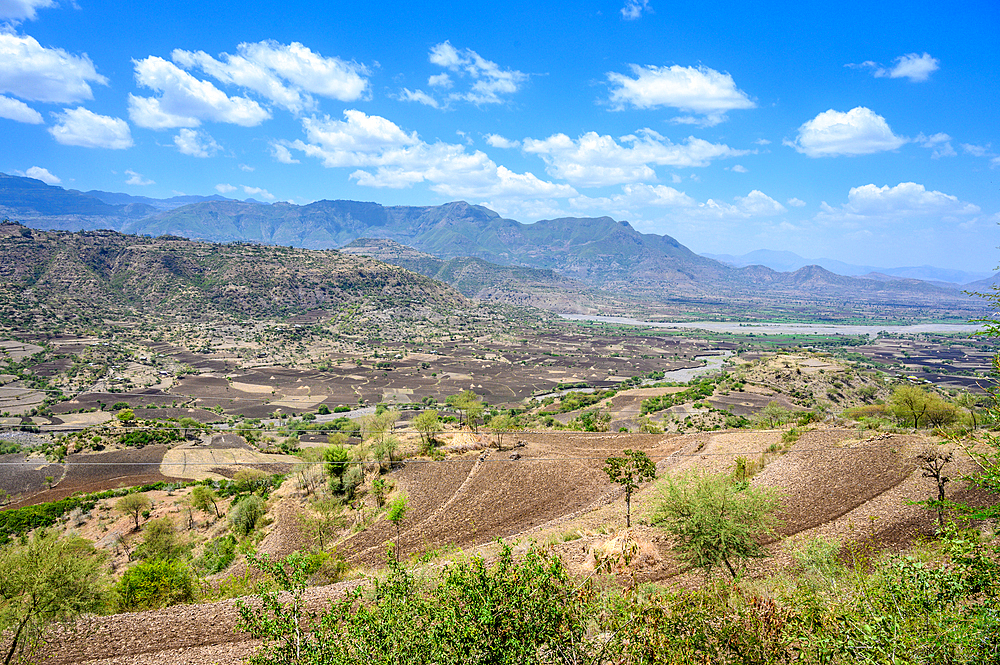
{"x": 863, "y": 134}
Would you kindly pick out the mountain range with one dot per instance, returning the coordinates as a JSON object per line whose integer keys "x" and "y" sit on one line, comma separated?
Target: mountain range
{"x": 586, "y": 259}
{"x": 784, "y": 261}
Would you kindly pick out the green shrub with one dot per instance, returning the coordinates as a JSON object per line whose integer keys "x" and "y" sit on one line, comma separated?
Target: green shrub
{"x": 217, "y": 555}
{"x": 153, "y": 584}
{"x": 244, "y": 516}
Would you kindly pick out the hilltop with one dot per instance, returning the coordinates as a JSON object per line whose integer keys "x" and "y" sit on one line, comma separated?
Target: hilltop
{"x": 94, "y": 274}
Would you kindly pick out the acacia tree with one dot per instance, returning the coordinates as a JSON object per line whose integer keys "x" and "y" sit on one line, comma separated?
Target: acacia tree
{"x": 502, "y": 425}
{"x": 628, "y": 471}
{"x": 910, "y": 403}
{"x": 202, "y": 497}
{"x": 468, "y": 404}
{"x": 714, "y": 520}
{"x": 427, "y": 423}
{"x": 133, "y": 504}
{"x": 47, "y": 579}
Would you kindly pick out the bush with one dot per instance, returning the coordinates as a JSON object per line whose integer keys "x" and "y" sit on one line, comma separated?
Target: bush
{"x": 244, "y": 516}
{"x": 218, "y": 554}
{"x": 153, "y": 584}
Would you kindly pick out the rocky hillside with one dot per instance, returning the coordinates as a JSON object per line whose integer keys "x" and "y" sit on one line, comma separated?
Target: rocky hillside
{"x": 95, "y": 274}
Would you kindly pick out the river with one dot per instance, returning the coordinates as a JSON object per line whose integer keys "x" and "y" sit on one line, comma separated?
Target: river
{"x": 785, "y": 328}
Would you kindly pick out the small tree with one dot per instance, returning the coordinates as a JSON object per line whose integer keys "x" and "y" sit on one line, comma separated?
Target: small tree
{"x": 501, "y": 426}
{"x": 336, "y": 459}
{"x": 427, "y": 423}
{"x": 396, "y": 513}
{"x": 134, "y": 505}
{"x": 468, "y": 404}
{"x": 628, "y": 471}
{"x": 932, "y": 466}
{"x": 971, "y": 403}
{"x": 205, "y": 499}
{"x": 45, "y": 580}
{"x": 909, "y": 403}
{"x": 714, "y": 520}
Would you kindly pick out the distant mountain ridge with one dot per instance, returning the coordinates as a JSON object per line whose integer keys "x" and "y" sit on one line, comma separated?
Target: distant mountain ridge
{"x": 784, "y": 261}
{"x": 597, "y": 252}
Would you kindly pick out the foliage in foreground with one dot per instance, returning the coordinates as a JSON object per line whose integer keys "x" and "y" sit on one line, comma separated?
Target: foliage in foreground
{"x": 44, "y": 579}
{"x": 937, "y": 605}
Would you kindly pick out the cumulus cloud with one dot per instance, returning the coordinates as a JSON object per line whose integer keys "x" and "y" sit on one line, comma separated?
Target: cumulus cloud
{"x": 939, "y": 143}
{"x": 15, "y": 109}
{"x": 490, "y": 82}
{"x": 633, "y": 9}
{"x": 705, "y": 92}
{"x": 224, "y": 188}
{"x": 38, "y": 173}
{"x": 282, "y": 154}
{"x": 441, "y": 80}
{"x": 739, "y": 168}
{"x": 186, "y": 101}
{"x": 594, "y": 160}
{"x": 905, "y": 201}
{"x": 860, "y": 131}
{"x": 87, "y": 129}
{"x": 22, "y": 10}
{"x": 913, "y": 66}
{"x": 754, "y": 205}
{"x": 795, "y": 203}
{"x": 385, "y": 155}
{"x": 258, "y": 191}
{"x": 498, "y": 141}
{"x": 137, "y": 179}
{"x": 30, "y": 71}
{"x": 196, "y": 143}
{"x": 287, "y": 75}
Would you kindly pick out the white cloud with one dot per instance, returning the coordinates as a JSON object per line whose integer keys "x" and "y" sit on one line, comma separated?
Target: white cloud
{"x": 913, "y": 66}
{"x": 282, "y": 154}
{"x": 21, "y": 10}
{"x": 441, "y": 80}
{"x": 396, "y": 158}
{"x": 137, "y": 179}
{"x": 418, "y": 96}
{"x": 87, "y": 129}
{"x": 699, "y": 90}
{"x": 247, "y": 167}
{"x": 633, "y": 9}
{"x": 15, "y": 109}
{"x": 185, "y": 101}
{"x": 795, "y": 203}
{"x": 30, "y": 71}
{"x": 224, "y": 188}
{"x": 754, "y": 205}
{"x": 594, "y": 160}
{"x": 257, "y": 191}
{"x": 38, "y": 173}
{"x": 762, "y": 142}
{"x": 939, "y": 143}
{"x": 196, "y": 143}
{"x": 739, "y": 168}
{"x": 489, "y": 81}
{"x": 498, "y": 141}
{"x": 904, "y": 202}
{"x": 976, "y": 150}
{"x": 860, "y": 131}
{"x": 284, "y": 74}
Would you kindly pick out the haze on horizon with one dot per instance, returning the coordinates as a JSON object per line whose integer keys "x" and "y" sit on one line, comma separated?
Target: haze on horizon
{"x": 862, "y": 136}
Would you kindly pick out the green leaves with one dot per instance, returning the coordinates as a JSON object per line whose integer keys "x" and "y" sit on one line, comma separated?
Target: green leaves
{"x": 715, "y": 521}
